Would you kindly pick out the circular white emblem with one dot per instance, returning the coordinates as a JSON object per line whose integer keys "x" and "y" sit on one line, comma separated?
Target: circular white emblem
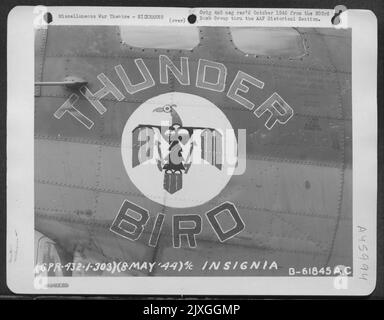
{"x": 179, "y": 149}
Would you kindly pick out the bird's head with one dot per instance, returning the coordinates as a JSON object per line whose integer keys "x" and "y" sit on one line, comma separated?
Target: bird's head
{"x": 168, "y": 108}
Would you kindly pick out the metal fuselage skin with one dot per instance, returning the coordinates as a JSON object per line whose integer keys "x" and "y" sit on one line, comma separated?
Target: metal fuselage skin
{"x": 295, "y": 196}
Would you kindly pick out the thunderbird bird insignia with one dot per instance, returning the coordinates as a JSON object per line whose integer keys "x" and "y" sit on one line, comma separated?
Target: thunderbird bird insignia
{"x": 177, "y": 138}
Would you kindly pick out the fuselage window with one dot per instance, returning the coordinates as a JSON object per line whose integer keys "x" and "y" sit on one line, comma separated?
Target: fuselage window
{"x": 273, "y": 42}
{"x": 178, "y": 38}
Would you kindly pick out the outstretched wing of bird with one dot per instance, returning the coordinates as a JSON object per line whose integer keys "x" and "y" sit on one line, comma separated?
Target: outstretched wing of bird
{"x": 146, "y": 144}
{"x": 152, "y": 142}
{"x": 211, "y": 143}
